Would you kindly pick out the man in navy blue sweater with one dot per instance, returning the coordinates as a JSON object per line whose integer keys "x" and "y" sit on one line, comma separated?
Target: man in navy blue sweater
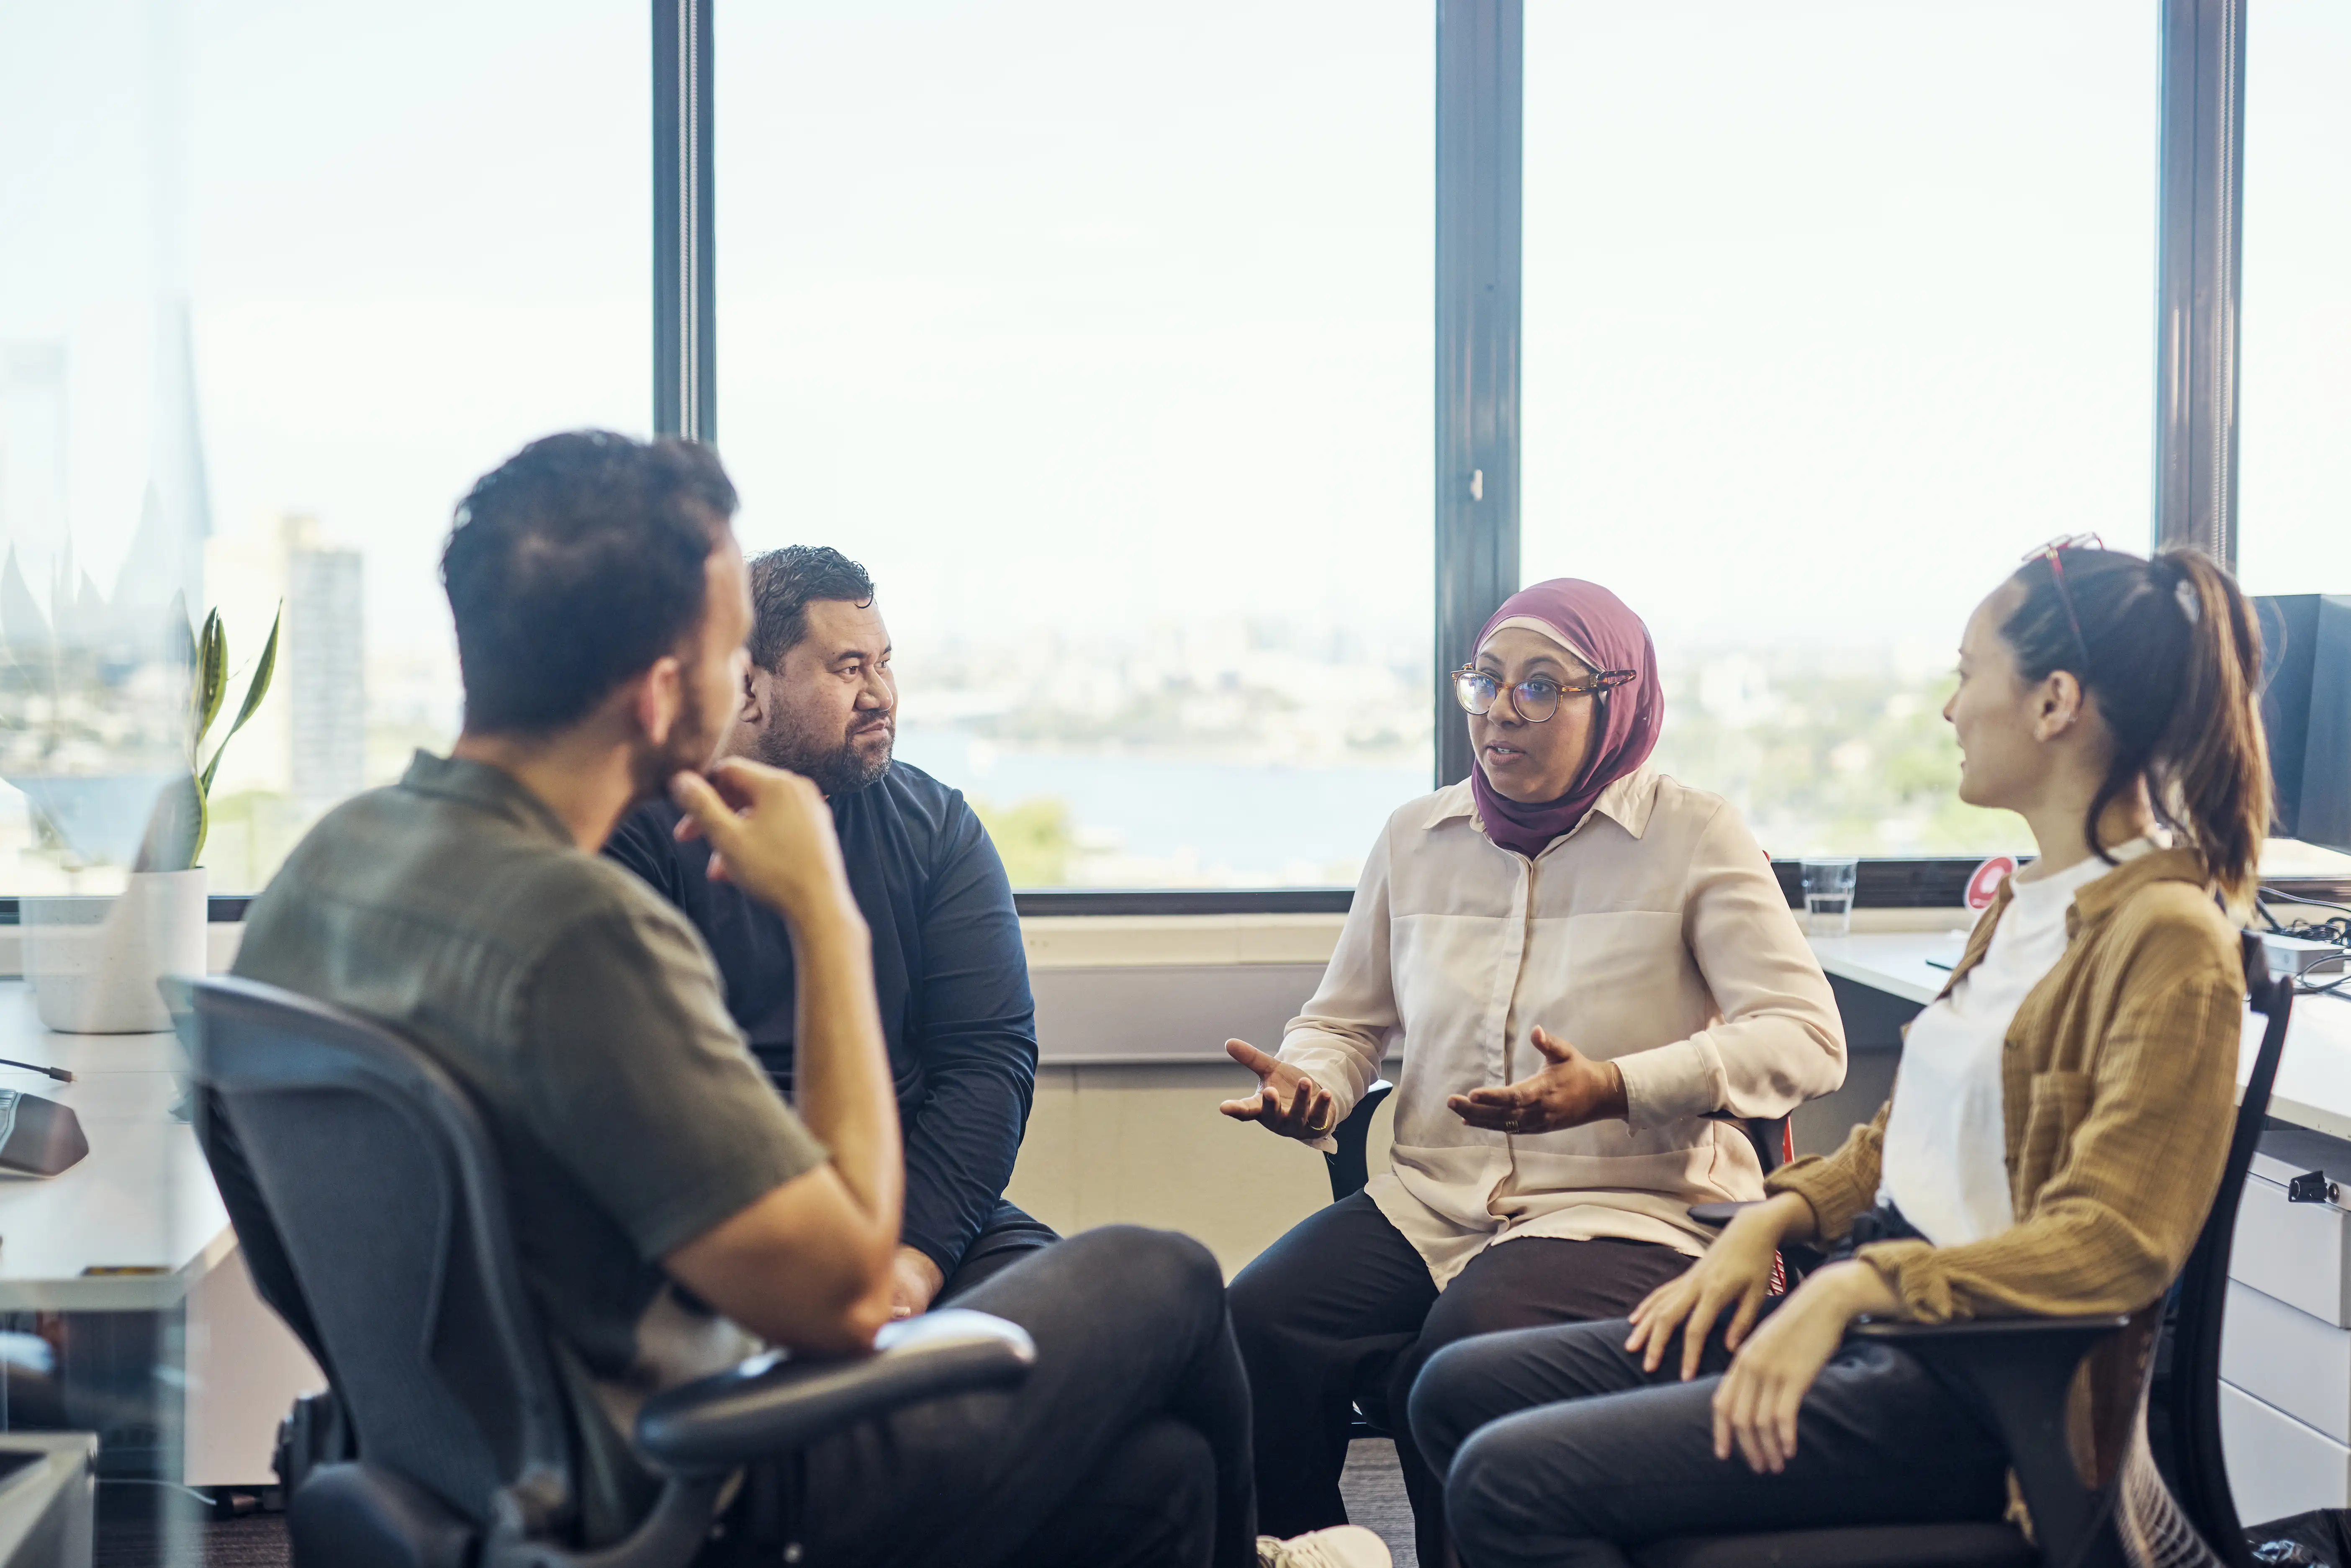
{"x": 947, "y": 961}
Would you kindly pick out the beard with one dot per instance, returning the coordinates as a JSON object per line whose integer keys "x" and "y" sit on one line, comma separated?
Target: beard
{"x": 841, "y": 763}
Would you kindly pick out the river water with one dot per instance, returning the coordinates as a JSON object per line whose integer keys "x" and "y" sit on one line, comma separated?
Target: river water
{"x": 1228, "y": 822}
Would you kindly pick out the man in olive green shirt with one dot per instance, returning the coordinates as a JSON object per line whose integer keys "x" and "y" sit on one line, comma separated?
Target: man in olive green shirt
{"x": 671, "y": 1212}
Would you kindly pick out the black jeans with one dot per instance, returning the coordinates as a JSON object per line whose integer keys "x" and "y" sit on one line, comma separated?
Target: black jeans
{"x": 1128, "y": 1446}
{"x": 1010, "y": 1235}
{"x": 1342, "y": 1310}
{"x": 1558, "y": 1449}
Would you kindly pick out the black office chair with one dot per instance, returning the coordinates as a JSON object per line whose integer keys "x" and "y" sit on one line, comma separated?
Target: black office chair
{"x": 1350, "y": 1166}
{"x": 2023, "y": 1367}
{"x": 379, "y": 1228}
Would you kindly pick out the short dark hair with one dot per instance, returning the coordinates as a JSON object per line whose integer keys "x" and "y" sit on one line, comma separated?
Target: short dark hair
{"x": 574, "y": 565}
{"x": 783, "y": 584}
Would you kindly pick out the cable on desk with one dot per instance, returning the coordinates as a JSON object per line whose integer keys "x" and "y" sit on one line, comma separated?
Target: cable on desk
{"x": 2335, "y": 928}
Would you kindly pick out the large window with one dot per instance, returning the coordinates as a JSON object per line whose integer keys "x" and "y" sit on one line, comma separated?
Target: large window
{"x": 2295, "y": 445}
{"x": 1832, "y": 312}
{"x": 1104, "y": 335}
{"x": 1101, "y": 334}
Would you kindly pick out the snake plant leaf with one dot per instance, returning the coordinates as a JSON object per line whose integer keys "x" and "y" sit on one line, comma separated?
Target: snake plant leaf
{"x": 213, "y": 677}
{"x": 203, "y": 828}
{"x": 175, "y": 827}
{"x": 255, "y": 689}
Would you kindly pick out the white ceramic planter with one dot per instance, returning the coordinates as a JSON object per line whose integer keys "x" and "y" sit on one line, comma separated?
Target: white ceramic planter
{"x": 93, "y": 962}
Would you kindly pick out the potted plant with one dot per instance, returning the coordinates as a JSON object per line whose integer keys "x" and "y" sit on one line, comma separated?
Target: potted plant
{"x": 93, "y": 964}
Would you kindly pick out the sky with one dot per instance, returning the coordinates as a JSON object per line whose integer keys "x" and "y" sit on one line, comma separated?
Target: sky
{"x": 1095, "y": 317}
{"x": 1092, "y": 315}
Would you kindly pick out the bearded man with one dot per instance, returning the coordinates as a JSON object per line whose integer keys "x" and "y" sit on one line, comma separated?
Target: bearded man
{"x": 820, "y": 700}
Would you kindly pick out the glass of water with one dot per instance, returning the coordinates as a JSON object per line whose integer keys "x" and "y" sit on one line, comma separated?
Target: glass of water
{"x": 1828, "y": 896}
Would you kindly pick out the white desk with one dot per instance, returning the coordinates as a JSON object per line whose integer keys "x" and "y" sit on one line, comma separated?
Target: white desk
{"x": 2313, "y": 1080}
{"x": 143, "y": 1200}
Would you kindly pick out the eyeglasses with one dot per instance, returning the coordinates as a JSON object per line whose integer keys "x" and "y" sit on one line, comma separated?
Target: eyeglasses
{"x": 1535, "y": 700}
{"x": 2053, "y": 553}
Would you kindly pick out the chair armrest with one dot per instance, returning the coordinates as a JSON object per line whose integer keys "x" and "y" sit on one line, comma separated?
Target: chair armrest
{"x": 1921, "y": 1338}
{"x": 772, "y": 1404}
{"x": 1718, "y": 1215}
{"x": 2022, "y": 1369}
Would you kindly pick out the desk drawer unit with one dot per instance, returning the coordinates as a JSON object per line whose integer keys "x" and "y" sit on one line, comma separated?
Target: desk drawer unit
{"x": 2285, "y": 1343}
{"x": 2295, "y": 1252}
{"x": 2288, "y": 1359}
{"x": 2277, "y": 1466}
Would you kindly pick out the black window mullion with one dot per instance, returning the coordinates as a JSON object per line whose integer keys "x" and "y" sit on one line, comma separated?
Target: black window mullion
{"x": 2199, "y": 240}
{"x": 685, "y": 359}
{"x": 1480, "y": 124}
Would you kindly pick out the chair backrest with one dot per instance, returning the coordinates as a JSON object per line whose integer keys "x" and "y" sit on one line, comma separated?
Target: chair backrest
{"x": 2201, "y": 1482}
{"x": 385, "y": 1194}
{"x": 1350, "y": 1166}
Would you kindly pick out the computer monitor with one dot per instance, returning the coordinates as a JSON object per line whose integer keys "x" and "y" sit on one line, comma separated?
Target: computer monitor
{"x": 2306, "y": 708}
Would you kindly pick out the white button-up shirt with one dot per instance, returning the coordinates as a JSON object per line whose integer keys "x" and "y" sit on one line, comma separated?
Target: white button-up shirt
{"x": 1653, "y": 936}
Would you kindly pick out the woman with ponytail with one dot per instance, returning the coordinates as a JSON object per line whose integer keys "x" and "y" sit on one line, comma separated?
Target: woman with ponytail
{"x": 2053, "y": 1143}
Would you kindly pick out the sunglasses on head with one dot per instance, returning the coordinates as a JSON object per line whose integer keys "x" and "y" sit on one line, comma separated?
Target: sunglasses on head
{"x": 2054, "y": 552}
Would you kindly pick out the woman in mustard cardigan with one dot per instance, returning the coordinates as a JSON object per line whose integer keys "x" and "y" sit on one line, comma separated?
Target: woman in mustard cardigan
{"x": 2053, "y": 1143}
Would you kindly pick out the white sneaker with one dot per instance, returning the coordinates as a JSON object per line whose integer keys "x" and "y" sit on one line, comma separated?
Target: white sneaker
{"x": 1341, "y": 1546}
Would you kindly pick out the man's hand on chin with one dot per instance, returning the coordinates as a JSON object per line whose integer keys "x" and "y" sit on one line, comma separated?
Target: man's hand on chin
{"x": 913, "y": 1280}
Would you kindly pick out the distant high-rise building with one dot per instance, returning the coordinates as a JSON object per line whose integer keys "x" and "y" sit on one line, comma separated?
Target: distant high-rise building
{"x": 323, "y": 677}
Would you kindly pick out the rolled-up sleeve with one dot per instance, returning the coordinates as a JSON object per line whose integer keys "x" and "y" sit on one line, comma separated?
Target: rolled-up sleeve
{"x": 1339, "y": 1039}
{"x": 2117, "y": 1216}
{"x": 1779, "y": 1041}
{"x": 1837, "y": 1187}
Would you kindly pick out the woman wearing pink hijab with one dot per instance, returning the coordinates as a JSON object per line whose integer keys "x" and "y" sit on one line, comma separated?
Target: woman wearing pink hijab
{"x": 1579, "y": 960}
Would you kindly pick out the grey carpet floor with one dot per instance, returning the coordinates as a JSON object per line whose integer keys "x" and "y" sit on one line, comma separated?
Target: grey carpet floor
{"x": 132, "y": 1532}
{"x": 1374, "y": 1487}
{"x": 149, "y": 1527}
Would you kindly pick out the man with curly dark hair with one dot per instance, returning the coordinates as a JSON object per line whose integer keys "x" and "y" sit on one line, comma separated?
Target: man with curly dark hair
{"x": 821, "y": 701}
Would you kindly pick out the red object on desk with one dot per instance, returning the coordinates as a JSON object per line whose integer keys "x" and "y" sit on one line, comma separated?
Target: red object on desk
{"x": 1983, "y": 884}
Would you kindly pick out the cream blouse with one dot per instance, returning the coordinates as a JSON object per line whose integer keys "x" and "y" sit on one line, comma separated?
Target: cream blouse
{"x": 1653, "y": 935}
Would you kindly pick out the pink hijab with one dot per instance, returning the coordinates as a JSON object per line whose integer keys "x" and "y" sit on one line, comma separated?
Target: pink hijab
{"x": 1594, "y": 625}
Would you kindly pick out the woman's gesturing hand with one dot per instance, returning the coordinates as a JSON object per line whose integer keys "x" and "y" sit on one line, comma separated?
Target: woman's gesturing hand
{"x": 1287, "y": 1101}
{"x": 1735, "y": 1274}
{"x": 1757, "y": 1402}
{"x": 1570, "y": 1091}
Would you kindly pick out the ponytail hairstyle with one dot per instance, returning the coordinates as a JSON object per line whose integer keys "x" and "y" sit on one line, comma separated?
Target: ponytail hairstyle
{"x": 2171, "y": 651}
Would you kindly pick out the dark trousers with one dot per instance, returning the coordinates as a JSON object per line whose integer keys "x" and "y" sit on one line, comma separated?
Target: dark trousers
{"x": 1342, "y": 1310}
{"x": 1010, "y": 1235}
{"x": 1128, "y": 1446}
{"x": 1558, "y": 1449}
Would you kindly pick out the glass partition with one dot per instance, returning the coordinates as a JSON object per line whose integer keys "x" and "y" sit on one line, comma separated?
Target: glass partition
{"x": 417, "y": 239}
